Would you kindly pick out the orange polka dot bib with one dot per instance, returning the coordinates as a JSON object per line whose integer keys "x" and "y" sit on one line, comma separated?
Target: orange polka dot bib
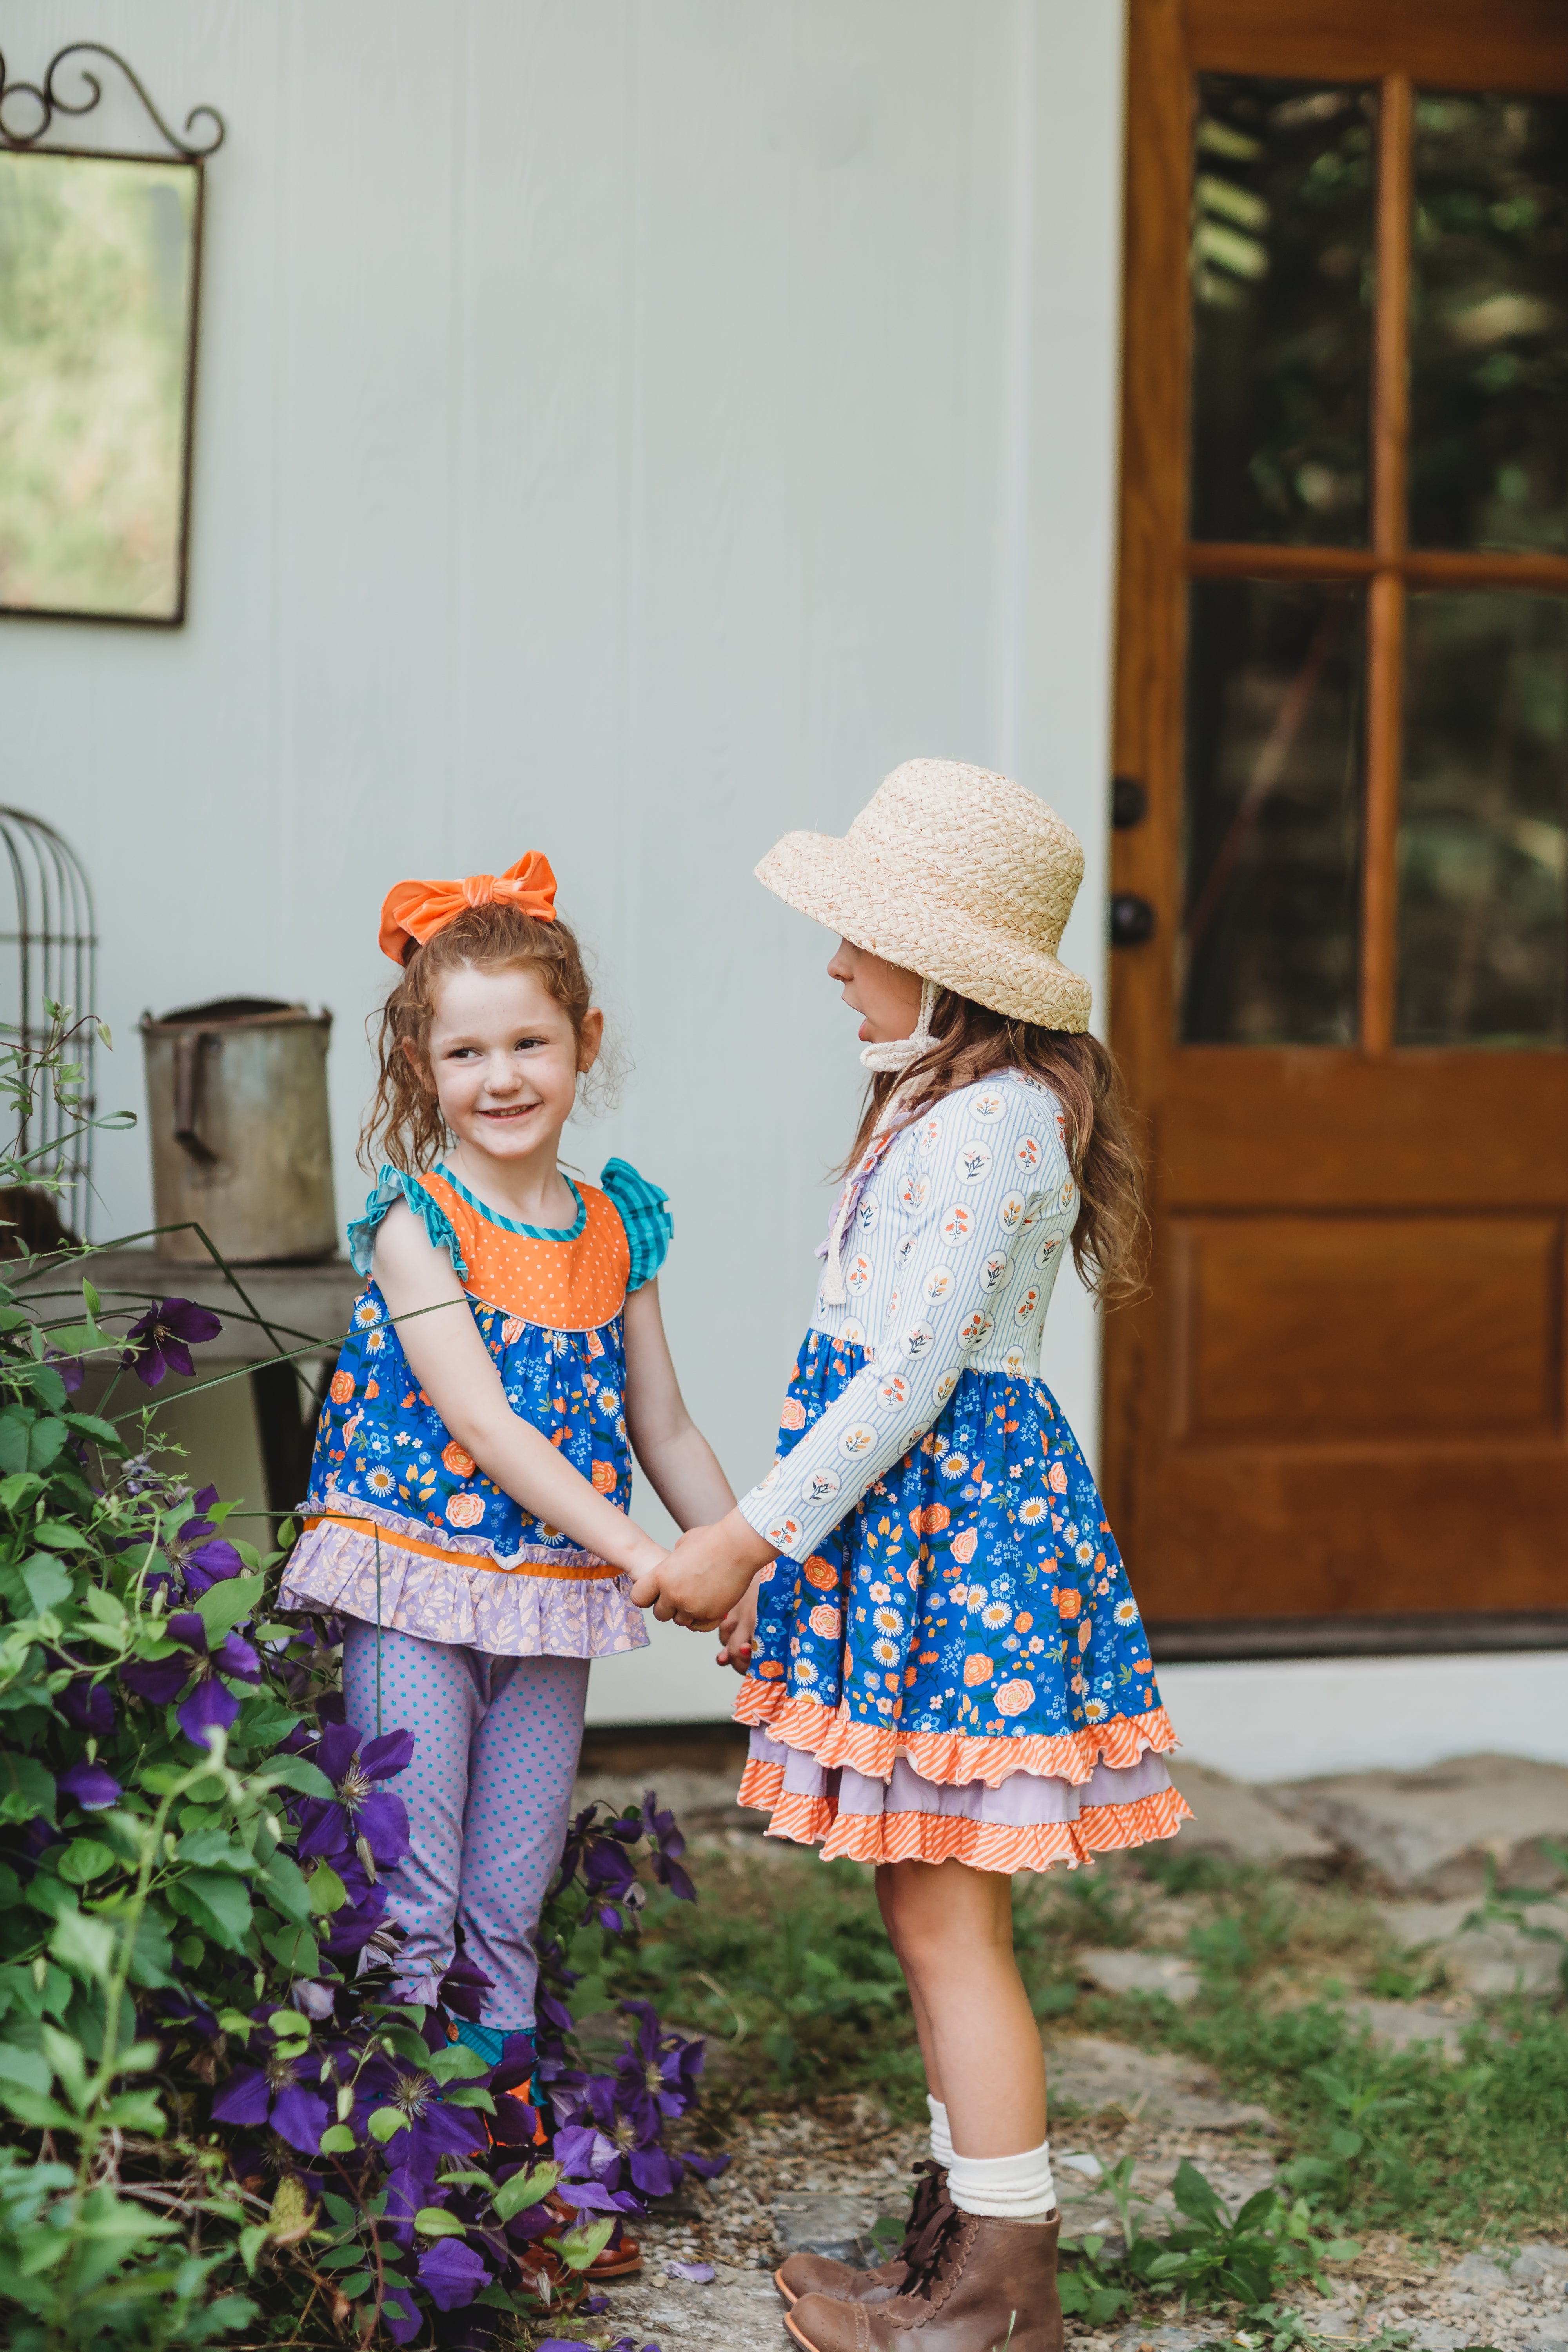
{"x": 572, "y": 1280}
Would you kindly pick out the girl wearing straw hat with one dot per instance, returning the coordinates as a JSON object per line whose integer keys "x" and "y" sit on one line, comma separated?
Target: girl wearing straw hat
{"x": 947, "y": 1676}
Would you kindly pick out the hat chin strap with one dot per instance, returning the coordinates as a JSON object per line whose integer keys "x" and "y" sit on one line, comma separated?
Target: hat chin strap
{"x": 897, "y": 1053}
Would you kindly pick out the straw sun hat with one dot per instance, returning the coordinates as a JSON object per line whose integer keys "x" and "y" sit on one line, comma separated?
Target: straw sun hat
{"x": 953, "y": 873}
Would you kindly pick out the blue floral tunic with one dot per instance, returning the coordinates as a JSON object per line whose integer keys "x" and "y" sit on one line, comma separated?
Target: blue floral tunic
{"x": 402, "y": 1526}
{"x": 949, "y": 1657}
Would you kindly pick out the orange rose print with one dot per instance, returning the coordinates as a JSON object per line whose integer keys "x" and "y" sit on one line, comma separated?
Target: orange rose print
{"x": 1057, "y": 1479}
{"x": 1014, "y": 1698}
{"x": 342, "y": 1387}
{"x": 771, "y": 1668}
{"x": 826, "y": 1621}
{"x": 459, "y": 1464}
{"x": 604, "y": 1477}
{"x": 931, "y": 1520}
{"x": 792, "y": 1414}
{"x": 964, "y": 1545}
{"x": 1023, "y": 1621}
{"x": 818, "y": 1572}
{"x": 464, "y": 1510}
{"x": 1069, "y": 1604}
{"x": 977, "y": 1670}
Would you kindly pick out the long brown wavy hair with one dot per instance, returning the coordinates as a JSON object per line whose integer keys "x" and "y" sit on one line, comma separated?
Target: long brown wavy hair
{"x": 404, "y": 1123}
{"x": 1111, "y": 1239}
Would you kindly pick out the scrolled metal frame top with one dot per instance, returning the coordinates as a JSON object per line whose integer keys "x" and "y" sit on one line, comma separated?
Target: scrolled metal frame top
{"x": 47, "y": 98}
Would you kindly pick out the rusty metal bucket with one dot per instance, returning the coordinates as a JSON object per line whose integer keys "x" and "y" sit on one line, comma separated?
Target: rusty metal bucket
{"x": 237, "y": 1094}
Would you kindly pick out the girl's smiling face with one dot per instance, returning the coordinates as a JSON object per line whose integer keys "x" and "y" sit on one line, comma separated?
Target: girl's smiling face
{"x": 504, "y": 1059}
{"x": 887, "y": 995}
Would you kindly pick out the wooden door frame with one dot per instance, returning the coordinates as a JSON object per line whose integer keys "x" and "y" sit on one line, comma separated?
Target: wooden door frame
{"x": 1515, "y": 45}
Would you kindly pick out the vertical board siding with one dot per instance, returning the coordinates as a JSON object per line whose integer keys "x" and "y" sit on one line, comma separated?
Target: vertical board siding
{"x": 627, "y": 430}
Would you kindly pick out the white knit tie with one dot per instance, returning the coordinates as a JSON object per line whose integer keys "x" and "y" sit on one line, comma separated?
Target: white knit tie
{"x": 882, "y": 1055}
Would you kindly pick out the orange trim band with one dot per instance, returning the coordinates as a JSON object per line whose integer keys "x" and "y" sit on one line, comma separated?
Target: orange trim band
{"x": 1000, "y": 1846}
{"x": 567, "y": 1574}
{"x": 952, "y": 1757}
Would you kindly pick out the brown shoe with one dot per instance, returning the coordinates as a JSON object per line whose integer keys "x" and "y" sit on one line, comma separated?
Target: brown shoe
{"x": 985, "y": 2286}
{"x": 820, "y": 2274}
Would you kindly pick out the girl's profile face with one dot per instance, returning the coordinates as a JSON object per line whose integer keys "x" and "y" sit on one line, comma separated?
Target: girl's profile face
{"x": 504, "y": 1059}
{"x": 887, "y": 995}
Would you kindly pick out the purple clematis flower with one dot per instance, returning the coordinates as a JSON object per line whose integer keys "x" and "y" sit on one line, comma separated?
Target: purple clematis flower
{"x": 156, "y": 1679}
{"x": 451, "y": 2273}
{"x": 211, "y": 1705}
{"x": 359, "y": 1816}
{"x": 90, "y": 1786}
{"x": 463, "y": 1988}
{"x": 434, "y": 2130}
{"x": 161, "y": 1341}
{"x": 273, "y": 2092}
{"x": 89, "y": 1706}
{"x": 199, "y": 1551}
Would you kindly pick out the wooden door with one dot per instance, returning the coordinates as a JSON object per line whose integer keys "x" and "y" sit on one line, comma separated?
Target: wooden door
{"x": 1342, "y": 732}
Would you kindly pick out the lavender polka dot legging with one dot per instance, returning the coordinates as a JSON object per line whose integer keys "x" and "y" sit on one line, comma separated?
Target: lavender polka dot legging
{"x": 489, "y": 1791}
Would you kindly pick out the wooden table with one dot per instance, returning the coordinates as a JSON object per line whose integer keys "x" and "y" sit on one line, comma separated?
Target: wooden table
{"x": 304, "y": 1307}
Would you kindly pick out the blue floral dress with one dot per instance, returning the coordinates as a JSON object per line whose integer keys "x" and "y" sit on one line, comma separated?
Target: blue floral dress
{"x": 402, "y": 1528}
{"x": 949, "y": 1661}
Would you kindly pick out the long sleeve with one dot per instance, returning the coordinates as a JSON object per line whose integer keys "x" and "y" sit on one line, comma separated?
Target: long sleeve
{"x": 969, "y": 1213}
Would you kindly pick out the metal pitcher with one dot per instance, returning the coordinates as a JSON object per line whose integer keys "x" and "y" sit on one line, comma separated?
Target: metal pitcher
{"x": 237, "y": 1093}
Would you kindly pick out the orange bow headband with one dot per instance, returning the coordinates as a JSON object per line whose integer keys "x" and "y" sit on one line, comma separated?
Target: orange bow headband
{"x": 417, "y": 911}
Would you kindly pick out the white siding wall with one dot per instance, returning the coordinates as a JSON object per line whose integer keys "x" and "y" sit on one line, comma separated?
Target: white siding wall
{"x": 624, "y": 430}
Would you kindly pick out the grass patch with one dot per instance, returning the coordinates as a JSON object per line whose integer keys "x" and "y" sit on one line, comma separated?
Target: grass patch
{"x": 783, "y": 1962}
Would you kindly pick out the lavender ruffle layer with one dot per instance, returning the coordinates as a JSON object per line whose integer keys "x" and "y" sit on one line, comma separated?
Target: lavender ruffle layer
{"x": 1024, "y": 1801}
{"x": 504, "y": 1610}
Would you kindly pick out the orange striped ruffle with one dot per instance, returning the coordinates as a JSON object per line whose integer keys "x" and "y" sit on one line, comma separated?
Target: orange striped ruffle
{"x": 950, "y": 1758}
{"x": 939, "y": 1837}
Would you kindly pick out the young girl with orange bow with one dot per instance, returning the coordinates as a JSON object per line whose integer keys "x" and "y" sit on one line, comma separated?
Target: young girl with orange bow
{"x": 467, "y": 1512}
{"x": 948, "y": 1677}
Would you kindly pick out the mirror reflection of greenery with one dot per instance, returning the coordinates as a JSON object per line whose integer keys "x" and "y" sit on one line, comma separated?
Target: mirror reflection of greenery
{"x": 96, "y": 299}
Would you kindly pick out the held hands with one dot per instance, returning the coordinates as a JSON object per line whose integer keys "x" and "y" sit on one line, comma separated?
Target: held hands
{"x": 706, "y": 1575}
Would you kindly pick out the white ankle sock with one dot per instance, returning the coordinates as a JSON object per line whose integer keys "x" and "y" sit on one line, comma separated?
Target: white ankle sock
{"x": 940, "y": 2138}
{"x": 1004, "y": 2187}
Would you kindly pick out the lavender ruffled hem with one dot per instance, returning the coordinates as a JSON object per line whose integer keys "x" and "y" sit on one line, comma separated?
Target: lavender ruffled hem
{"x": 1023, "y": 1800}
{"x": 508, "y": 1612}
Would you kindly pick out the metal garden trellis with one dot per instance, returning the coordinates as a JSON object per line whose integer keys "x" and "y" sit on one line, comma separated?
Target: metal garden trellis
{"x": 56, "y": 943}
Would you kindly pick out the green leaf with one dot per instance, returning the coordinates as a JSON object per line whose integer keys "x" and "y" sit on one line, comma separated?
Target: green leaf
{"x": 294, "y": 1772}
{"x": 20, "y": 1484}
{"x": 84, "y": 1945}
{"x": 15, "y": 1424}
{"x": 209, "y": 1848}
{"x": 525, "y": 2188}
{"x": 385, "y": 2121}
{"x": 1197, "y": 2196}
{"x": 38, "y": 2114}
{"x": 338, "y": 2140}
{"x": 87, "y": 1424}
{"x": 83, "y": 1861}
{"x": 469, "y": 2094}
{"x": 251, "y": 2240}
{"x": 46, "y": 1582}
{"x": 435, "y": 2221}
{"x": 455, "y": 2062}
{"x": 283, "y": 1881}
{"x": 294, "y": 1948}
{"x": 28, "y": 2068}
{"x": 357, "y": 2283}
{"x": 25, "y": 1789}
{"x": 578, "y": 2247}
{"x": 222, "y": 1605}
{"x": 137, "y": 2111}
{"x": 151, "y": 1960}
{"x": 68, "y": 2060}
{"x": 57, "y": 1535}
{"x": 45, "y": 1440}
{"x": 216, "y": 1901}
{"x": 325, "y": 1889}
{"x": 91, "y": 1299}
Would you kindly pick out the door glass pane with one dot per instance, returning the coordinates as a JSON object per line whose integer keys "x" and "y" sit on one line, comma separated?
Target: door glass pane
{"x": 1283, "y": 204}
{"x": 1488, "y": 324}
{"x": 1272, "y": 814}
{"x": 1483, "y": 832}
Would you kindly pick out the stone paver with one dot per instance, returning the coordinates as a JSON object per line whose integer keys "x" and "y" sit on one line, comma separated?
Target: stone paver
{"x": 1242, "y": 1823}
{"x": 1496, "y": 1959}
{"x": 1119, "y": 1971}
{"x": 1090, "y": 2073}
{"x": 1432, "y": 1832}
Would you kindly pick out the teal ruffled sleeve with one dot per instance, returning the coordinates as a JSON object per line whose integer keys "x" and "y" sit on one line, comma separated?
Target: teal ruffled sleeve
{"x": 391, "y": 1186}
{"x": 645, "y": 1214}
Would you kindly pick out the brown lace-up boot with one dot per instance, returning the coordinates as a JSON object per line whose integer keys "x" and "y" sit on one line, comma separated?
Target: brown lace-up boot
{"x": 982, "y": 2287}
{"x": 820, "y": 2274}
